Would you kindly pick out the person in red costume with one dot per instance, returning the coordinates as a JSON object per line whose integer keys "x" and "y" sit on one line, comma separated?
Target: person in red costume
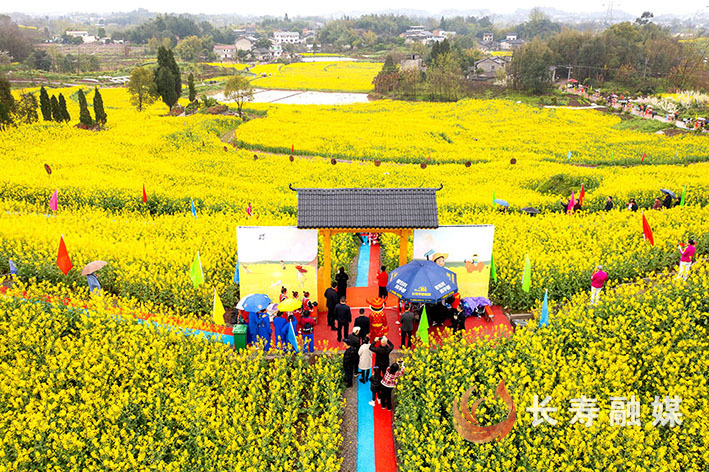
{"x": 377, "y": 319}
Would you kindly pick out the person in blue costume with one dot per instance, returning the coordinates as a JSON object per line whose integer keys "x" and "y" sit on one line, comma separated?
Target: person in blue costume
{"x": 278, "y": 323}
{"x": 264, "y": 329}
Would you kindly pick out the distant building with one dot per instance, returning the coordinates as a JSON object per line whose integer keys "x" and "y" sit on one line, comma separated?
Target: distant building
{"x": 489, "y": 67}
{"x": 245, "y": 43}
{"x": 224, "y": 52}
{"x": 261, "y": 54}
{"x": 511, "y": 37}
{"x": 286, "y": 37}
{"x": 511, "y": 44}
{"x": 488, "y": 37}
{"x": 417, "y": 34}
{"x": 412, "y": 62}
{"x": 84, "y": 35}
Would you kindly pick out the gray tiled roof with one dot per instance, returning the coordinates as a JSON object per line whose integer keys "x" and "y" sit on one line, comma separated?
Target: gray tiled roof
{"x": 367, "y": 208}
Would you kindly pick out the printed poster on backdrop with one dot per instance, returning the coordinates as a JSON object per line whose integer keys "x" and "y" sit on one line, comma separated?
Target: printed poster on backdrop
{"x": 271, "y": 257}
{"x": 466, "y": 250}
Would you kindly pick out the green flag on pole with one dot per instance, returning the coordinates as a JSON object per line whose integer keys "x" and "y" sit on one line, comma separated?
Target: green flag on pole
{"x": 493, "y": 197}
{"x": 493, "y": 270}
{"x": 196, "y": 273}
{"x": 527, "y": 275}
{"x": 422, "y": 331}
{"x": 684, "y": 194}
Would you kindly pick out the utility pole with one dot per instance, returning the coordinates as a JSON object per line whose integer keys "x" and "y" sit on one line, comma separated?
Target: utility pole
{"x": 568, "y": 77}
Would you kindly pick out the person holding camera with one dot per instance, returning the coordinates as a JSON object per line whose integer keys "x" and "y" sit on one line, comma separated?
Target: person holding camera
{"x": 391, "y": 378}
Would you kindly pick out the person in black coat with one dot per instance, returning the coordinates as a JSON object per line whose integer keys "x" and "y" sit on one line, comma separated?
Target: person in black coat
{"x": 331, "y": 302}
{"x": 343, "y": 314}
{"x": 363, "y": 322}
{"x": 609, "y": 204}
{"x": 349, "y": 364}
{"x": 381, "y": 348}
{"x": 667, "y": 202}
{"x": 341, "y": 278}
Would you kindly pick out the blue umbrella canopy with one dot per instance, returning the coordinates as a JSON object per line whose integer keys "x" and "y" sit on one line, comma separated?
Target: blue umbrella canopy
{"x": 501, "y": 202}
{"x": 422, "y": 281}
{"x": 255, "y": 302}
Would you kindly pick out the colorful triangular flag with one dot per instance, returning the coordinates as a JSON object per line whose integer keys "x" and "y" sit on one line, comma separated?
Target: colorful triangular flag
{"x": 236, "y": 272}
{"x": 196, "y": 274}
{"x": 544, "y": 318}
{"x": 13, "y": 267}
{"x": 54, "y": 201}
{"x": 493, "y": 197}
{"x": 493, "y": 269}
{"x": 218, "y": 310}
{"x": 422, "y": 331}
{"x": 647, "y": 231}
{"x": 643, "y": 159}
{"x": 249, "y": 210}
{"x": 582, "y": 194}
{"x": 572, "y": 202}
{"x": 292, "y": 338}
{"x": 145, "y": 195}
{"x": 194, "y": 210}
{"x": 684, "y": 195}
{"x": 63, "y": 261}
{"x": 527, "y": 274}
{"x": 569, "y": 156}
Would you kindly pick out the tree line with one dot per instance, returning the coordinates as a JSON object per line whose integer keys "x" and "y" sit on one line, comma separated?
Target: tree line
{"x": 24, "y": 110}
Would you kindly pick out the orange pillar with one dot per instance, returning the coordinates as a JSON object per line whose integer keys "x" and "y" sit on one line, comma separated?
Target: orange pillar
{"x": 404, "y": 246}
{"x": 324, "y": 274}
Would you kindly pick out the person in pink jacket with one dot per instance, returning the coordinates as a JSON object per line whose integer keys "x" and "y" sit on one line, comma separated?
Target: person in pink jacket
{"x": 685, "y": 260}
{"x": 597, "y": 280}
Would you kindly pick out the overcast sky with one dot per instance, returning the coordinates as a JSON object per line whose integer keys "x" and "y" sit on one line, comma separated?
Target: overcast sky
{"x": 325, "y": 7}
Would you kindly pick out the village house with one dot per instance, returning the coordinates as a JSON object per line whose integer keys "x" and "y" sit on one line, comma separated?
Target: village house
{"x": 84, "y": 35}
{"x": 224, "y": 52}
{"x": 511, "y": 43}
{"x": 489, "y": 67}
{"x": 286, "y": 37}
{"x": 245, "y": 43}
{"x": 412, "y": 62}
{"x": 417, "y": 34}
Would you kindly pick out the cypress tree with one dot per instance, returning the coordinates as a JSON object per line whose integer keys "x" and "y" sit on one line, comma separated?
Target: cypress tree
{"x": 62, "y": 107}
{"x": 84, "y": 114}
{"x": 172, "y": 64}
{"x": 100, "y": 113}
{"x": 55, "y": 110}
{"x": 6, "y": 97}
{"x": 190, "y": 85}
{"x": 166, "y": 87}
{"x": 45, "y": 105}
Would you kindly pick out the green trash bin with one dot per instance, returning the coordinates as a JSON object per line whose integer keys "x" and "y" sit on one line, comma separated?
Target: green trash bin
{"x": 240, "y": 336}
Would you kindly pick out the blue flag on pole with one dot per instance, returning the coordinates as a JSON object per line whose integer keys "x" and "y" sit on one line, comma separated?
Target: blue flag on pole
{"x": 675, "y": 154}
{"x": 13, "y": 267}
{"x": 194, "y": 210}
{"x": 569, "y": 156}
{"x": 544, "y": 318}
{"x": 236, "y": 272}
{"x": 292, "y": 338}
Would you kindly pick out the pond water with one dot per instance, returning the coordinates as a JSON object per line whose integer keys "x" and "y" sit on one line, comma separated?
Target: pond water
{"x": 299, "y": 97}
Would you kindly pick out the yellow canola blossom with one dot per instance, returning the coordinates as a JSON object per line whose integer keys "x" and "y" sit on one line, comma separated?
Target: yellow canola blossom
{"x": 87, "y": 390}
{"x": 647, "y": 340}
{"x": 468, "y": 130}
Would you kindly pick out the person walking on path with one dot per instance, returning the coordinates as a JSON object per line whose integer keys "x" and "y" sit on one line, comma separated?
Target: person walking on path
{"x": 354, "y": 339}
{"x": 349, "y": 364}
{"x": 382, "y": 281}
{"x": 685, "y": 260}
{"x": 597, "y": 280}
{"x": 331, "y": 299}
{"x": 391, "y": 377}
{"x": 407, "y": 327}
{"x": 458, "y": 321}
{"x": 365, "y": 360}
{"x": 375, "y": 383}
{"x": 341, "y": 277}
{"x": 307, "y": 329}
{"x": 343, "y": 314}
{"x": 381, "y": 347}
{"x": 362, "y": 321}
{"x": 278, "y": 323}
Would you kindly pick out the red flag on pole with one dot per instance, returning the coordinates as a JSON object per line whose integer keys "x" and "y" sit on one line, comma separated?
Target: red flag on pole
{"x": 249, "y": 210}
{"x": 582, "y": 194}
{"x": 63, "y": 261}
{"x": 145, "y": 195}
{"x": 292, "y": 148}
{"x": 643, "y": 159}
{"x": 572, "y": 202}
{"x": 647, "y": 231}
